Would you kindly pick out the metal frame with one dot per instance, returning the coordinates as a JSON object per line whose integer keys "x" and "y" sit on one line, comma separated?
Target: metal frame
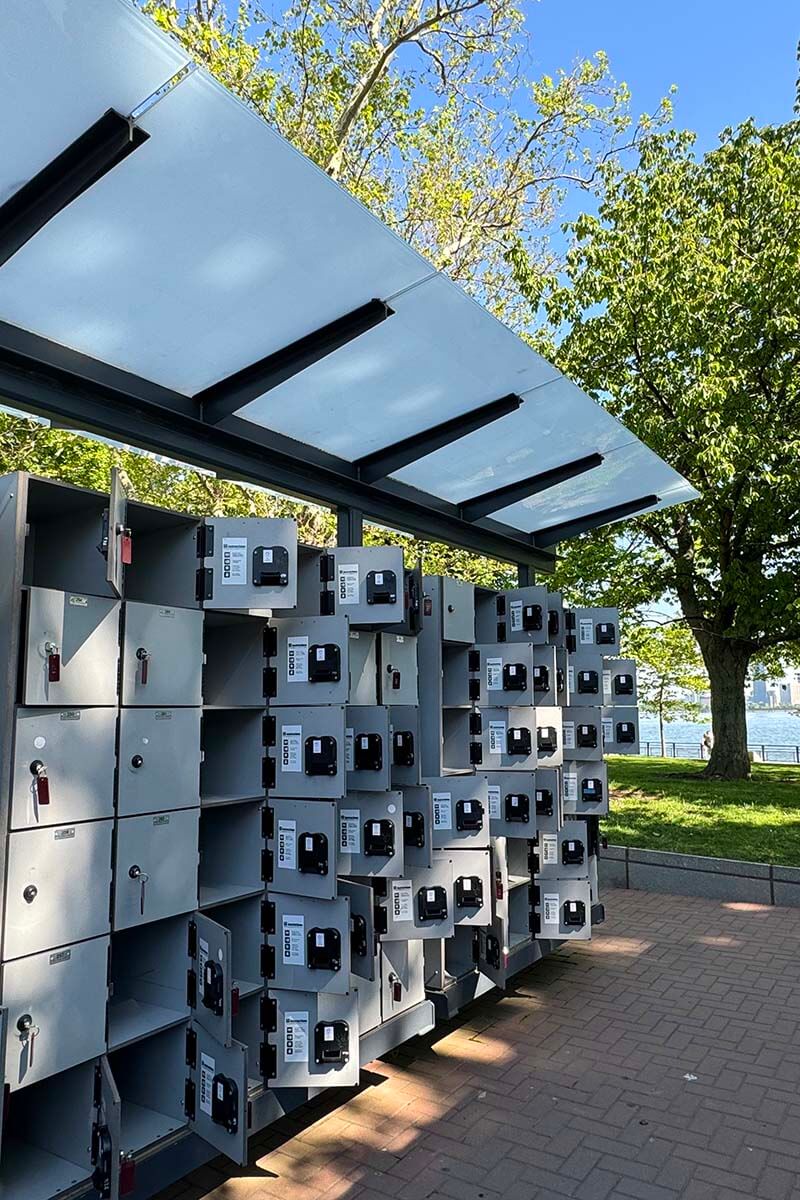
{"x": 603, "y": 516}
{"x": 511, "y": 493}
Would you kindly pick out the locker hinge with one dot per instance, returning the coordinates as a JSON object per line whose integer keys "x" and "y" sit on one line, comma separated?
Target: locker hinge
{"x": 267, "y": 916}
{"x": 266, "y": 866}
{"x": 188, "y": 1099}
{"x": 191, "y": 989}
{"x": 269, "y": 1014}
{"x": 204, "y": 583}
{"x": 474, "y": 690}
{"x": 205, "y": 541}
{"x": 191, "y": 939}
{"x": 500, "y": 605}
{"x": 270, "y": 641}
{"x": 381, "y": 919}
{"x": 501, "y": 631}
{"x": 268, "y": 822}
{"x": 326, "y": 568}
{"x": 569, "y": 619}
{"x": 268, "y": 961}
{"x": 473, "y": 660}
{"x": 475, "y": 724}
{"x": 534, "y": 922}
{"x": 534, "y": 894}
{"x": 268, "y": 1060}
{"x": 327, "y": 604}
{"x": 475, "y": 753}
{"x": 268, "y": 773}
{"x": 191, "y": 1048}
{"x": 268, "y": 731}
{"x": 270, "y": 676}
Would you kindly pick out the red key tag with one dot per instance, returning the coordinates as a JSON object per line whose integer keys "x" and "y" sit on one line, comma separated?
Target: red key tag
{"x": 53, "y": 667}
{"x": 126, "y": 548}
{"x": 42, "y": 789}
{"x": 127, "y": 1176}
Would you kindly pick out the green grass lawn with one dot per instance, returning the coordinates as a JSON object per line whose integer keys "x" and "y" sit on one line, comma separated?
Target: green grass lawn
{"x": 665, "y": 804}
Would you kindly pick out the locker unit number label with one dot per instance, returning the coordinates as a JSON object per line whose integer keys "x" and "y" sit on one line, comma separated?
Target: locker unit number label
{"x": 497, "y": 737}
{"x": 516, "y": 615}
{"x": 571, "y": 679}
{"x": 571, "y": 786}
{"x": 402, "y": 903}
{"x": 234, "y": 560}
{"x": 297, "y": 660}
{"x": 494, "y": 674}
{"x": 586, "y": 631}
{"x": 349, "y": 751}
{"x": 287, "y": 845}
{"x": 442, "y": 810}
{"x": 608, "y": 731}
{"x": 207, "y": 1072}
{"x": 494, "y": 802}
{"x": 549, "y": 849}
{"x": 350, "y": 830}
{"x": 295, "y": 1044}
{"x": 606, "y": 685}
{"x": 569, "y": 735}
{"x": 347, "y": 583}
{"x": 293, "y": 941}
{"x": 291, "y": 758}
{"x": 550, "y": 910}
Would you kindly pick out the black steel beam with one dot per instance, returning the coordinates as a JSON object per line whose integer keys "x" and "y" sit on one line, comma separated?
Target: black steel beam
{"x": 349, "y": 527}
{"x": 381, "y": 463}
{"x": 604, "y": 516}
{"x": 87, "y": 159}
{"x": 226, "y": 397}
{"x": 490, "y": 502}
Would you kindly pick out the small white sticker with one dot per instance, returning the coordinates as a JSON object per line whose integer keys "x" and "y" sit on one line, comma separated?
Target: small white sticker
{"x": 586, "y": 631}
{"x": 571, "y": 679}
{"x": 550, "y": 910}
{"x": 327, "y": 1033}
{"x": 402, "y": 903}
{"x": 549, "y": 849}
{"x": 494, "y": 674}
{"x": 291, "y": 757}
{"x": 350, "y": 830}
{"x": 515, "y": 608}
{"x": 287, "y": 845}
{"x": 606, "y": 685}
{"x": 234, "y": 560}
{"x": 295, "y": 1037}
{"x": 202, "y": 957}
{"x": 608, "y": 730}
{"x": 399, "y": 639}
{"x": 379, "y": 578}
{"x": 497, "y": 737}
{"x": 40, "y": 742}
{"x": 349, "y": 750}
{"x": 297, "y": 660}
{"x": 569, "y": 735}
{"x": 294, "y": 941}
{"x": 208, "y": 1069}
{"x": 316, "y": 745}
{"x": 494, "y": 802}
{"x": 79, "y": 601}
{"x": 347, "y": 589}
{"x": 442, "y": 810}
{"x": 570, "y": 786}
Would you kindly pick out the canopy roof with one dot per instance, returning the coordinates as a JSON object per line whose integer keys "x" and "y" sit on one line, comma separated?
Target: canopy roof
{"x": 173, "y": 273}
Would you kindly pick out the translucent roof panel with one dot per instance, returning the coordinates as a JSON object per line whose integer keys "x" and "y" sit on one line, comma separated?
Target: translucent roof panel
{"x": 213, "y": 245}
{"x": 626, "y": 474}
{"x": 439, "y": 356}
{"x": 63, "y": 65}
{"x": 556, "y": 424}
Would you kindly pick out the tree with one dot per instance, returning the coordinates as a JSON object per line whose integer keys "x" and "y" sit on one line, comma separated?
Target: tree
{"x": 668, "y": 666}
{"x": 681, "y": 298}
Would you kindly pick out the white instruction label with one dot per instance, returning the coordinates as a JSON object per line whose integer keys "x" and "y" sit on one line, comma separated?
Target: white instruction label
{"x": 234, "y": 560}
{"x": 291, "y": 757}
{"x": 606, "y": 685}
{"x": 350, "y": 830}
{"x": 549, "y": 849}
{"x": 349, "y": 750}
{"x": 208, "y": 1069}
{"x": 494, "y": 802}
{"x": 571, "y": 679}
{"x": 570, "y": 786}
{"x": 297, "y": 660}
{"x": 550, "y": 907}
{"x": 608, "y": 731}
{"x": 287, "y": 845}
{"x": 402, "y": 902}
{"x": 442, "y": 810}
{"x": 515, "y": 608}
{"x": 497, "y": 737}
{"x": 295, "y": 1037}
{"x": 569, "y": 735}
{"x": 202, "y": 957}
{"x": 586, "y": 631}
{"x": 347, "y": 583}
{"x": 294, "y": 940}
{"x": 494, "y": 674}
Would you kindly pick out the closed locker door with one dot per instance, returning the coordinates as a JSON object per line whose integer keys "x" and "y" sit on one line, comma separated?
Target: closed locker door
{"x": 398, "y": 674}
{"x": 162, "y": 655}
{"x": 311, "y": 941}
{"x": 314, "y": 1039}
{"x": 58, "y": 886}
{"x": 56, "y": 1005}
{"x": 159, "y": 759}
{"x": 302, "y": 844}
{"x": 250, "y": 562}
{"x": 64, "y": 763}
{"x": 72, "y": 649}
{"x": 156, "y": 867}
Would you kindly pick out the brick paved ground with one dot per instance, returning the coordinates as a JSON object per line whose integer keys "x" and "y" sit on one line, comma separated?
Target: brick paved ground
{"x": 659, "y": 1062}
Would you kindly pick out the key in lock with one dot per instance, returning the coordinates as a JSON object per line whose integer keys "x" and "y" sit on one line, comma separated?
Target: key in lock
{"x": 28, "y": 1031}
{"x": 135, "y": 872}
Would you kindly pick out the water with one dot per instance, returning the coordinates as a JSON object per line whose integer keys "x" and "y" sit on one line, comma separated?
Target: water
{"x": 767, "y": 727}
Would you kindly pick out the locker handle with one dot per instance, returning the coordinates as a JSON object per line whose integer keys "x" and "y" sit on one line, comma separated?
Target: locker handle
{"x": 53, "y": 662}
{"x": 41, "y": 783}
{"x": 144, "y": 658}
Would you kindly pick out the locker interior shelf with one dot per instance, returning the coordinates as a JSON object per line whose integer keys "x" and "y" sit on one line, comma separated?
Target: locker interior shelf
{"x": 233, "y": 674}
{"x": 164, "y": 556}
{"x": 150, "y": 1078}
{"x": 148, "y": 977}
{"x": 64, "y": 528}
{"x": 230, "y": 853}
{"x": 455, "y": 740}
{"x": 45, "y": 1136}
{"x": 233, "y": 750}
{"x": 455, "y": 676}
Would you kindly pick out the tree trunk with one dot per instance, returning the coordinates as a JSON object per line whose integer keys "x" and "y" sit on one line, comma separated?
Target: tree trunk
{"x": 661, "y": 731}
{"x": 726, "y": 661}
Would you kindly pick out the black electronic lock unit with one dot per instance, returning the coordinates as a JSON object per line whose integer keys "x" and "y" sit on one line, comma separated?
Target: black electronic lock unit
{"x": 553, "y": 623}
{"x": 605, "y": 633}
{"x": 544, "y": 802}
{"x": 547, "y": 738}
{"x": 213, "y": 987}
{"x": 591, "y": 791}
{"x": 324, "y": 663}
{"x": 414, "y": 829}
{"x": 518, "y": 741}
{"x": 574, "y": 913}
{"x": 623, "y": 685}
{"x": 432, "y": 904}
{"x": 588, "y": 683}
{"x": 379, "y": 838}
{"x": 586, "y": 737}
{"x": 572, "y": 852}
{"x": 515, "y": 677}
{"x": 626, "y": 732}
{"x": 493, "y": 951}
{"x": 531, "y": 617}
{"x": 270, "y": 566}
{"x": 321, "y": 755}
{"x": 324, "y": 949}
{"x": 517, "y": 808}
{"x": 331, "y": 1042}
{"x": 469, "y": 891}
{"x": 541, "y": 679}
{"x": 368, "y": 752}
{"x": 403, "y": 748}
{"x": 381, "y": 587}
{"x": 312, "y": 854}
{"x": 469, "y": 815}
{"x": 225, "y": 1102}
{"x": 358, "y": 935}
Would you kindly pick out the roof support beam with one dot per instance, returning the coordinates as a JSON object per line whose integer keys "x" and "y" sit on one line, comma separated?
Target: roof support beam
{"x": 73, "y": 171}
{"x": 226, "y": 397}
{"x": 604, "y": 516}
{"x": 391, "y": 458}
{"x": 511, "y": 493}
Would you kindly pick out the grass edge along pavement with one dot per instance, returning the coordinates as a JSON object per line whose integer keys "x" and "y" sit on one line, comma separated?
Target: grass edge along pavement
{"x": 666, "y": 804}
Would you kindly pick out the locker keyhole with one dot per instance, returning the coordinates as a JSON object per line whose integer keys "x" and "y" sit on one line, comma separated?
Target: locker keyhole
{"x": 135, "y": 872}
{"x": 143, "y": 656}
{"x": 41, "y": 784}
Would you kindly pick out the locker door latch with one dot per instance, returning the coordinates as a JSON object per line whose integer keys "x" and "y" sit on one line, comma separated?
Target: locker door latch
{"x": 225, "y": 1102}
{"x": 469, "y": 891}
{"x": 214, "y": 987}
{"x": 379, "y": 838}
{"x": 312, "y": 854}
{"x": 395, "y": 676}
{"x": 143, "y": 655}
{"x": 28, "y": 1032}
{"x": 270, "y": 566}
{"x": 623, "y": 685}
{"x": 368, "y": 752}
{"x": 403, "y": 746}
{"x": 518, "y": 741}
{"x": 626, "y": 732}
{"x": 432, "y": 904}
{"x": 320, "y": 755}
{"x": 331, "y": 1042}
{"x": 469, "y": 815}
{"x": 591, "y": 791}
{"x": 531, "y": 617}
{"x": 605, "y": 633}
{"x": 574, "y": 913}
{"x": 546, "y": 738}
{"x": 515, "y": 677}
{"x": 324, "y": 949}
{"x": 586, "y": 737}
{"x": 572, "y": 853}
{"x": 41, "y": 784}
{"x": 414, "y": 829}
{"x": 588, "y": 683}
{"x": 517, "y": 808}
{"x": 324, "y": 663}
{"x": 381, "y": 587}
{"x": 53, "y": 662}
{"x": 135, "y": 872}
{"x": 493, "y": 951}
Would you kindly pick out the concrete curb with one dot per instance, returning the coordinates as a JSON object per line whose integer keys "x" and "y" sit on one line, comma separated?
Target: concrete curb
{"x": 693, "y": 875}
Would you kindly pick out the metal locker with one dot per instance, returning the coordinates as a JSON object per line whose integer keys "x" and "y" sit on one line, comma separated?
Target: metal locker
{"x": 312, "y": 1039}
{"x": 302, "y": 847}
{"x": 457, "y": 607}
{"x": 233, "y": 754}
{"x": 582, "y": 734}
{"x": 419, "y": 905}
{"x": 369, "y": 995}
{"x": 58, "y": 886}
{"x": 399, "y": 678}
{"x": 106, "y": 1145}
{"x": 71, "y": 649}
{"x": 546, "y": 677}
{"x": 115, "y": 543}
{"x": 368, "y": 749}
{"x": 507, "y": 738}
{"x": 363, "y": 655}
{"x": 460, "y": 812}
{"x": 563, "y": 696}
{"x": 620, "y": 727}
{"x": 363, "y": 947}
{"x": 156, "y": 866}
{"x": 365, "y": 583}
{"x": 162, "y": 655}
{"x": 212, "y": 977}
{"x": 522, "y": 616}
{"x": 511, "y": 803}
{"x": 56, "y": 1003}
{"x": 159, "y": 759}
{"x": 504, "y": 674}
{"x": 216, "y": 1093}
{"x": 585, "y": 679}
{"x": 405, "y": 767}
{"x": 563, "y": 855}
{"x": 309, "y": 753}
{"x": 594, "y": 629}
{"x": 417, "y": 826}
{"x": 248, "y": 563}
{"x": 472, "y": 886}
{"x": 619, "y": 682}
{"x": 308, "y": 943}
{"x": 563, "y": 910}
{"x": 556, "y": 620}
{"x": 3, "y": 1035}
{"x": 370, "y": 835}
{"x": 64, "y": 762}
{"x": 547, "y": 781}
{"x": 311, "y": 660}
{"x": 235, "y": 650}
{"x": 402, "y": 977}
{"x": 549, "y": 747}
{"x": 584, "y": 789}
{"x": 494, "y": 952}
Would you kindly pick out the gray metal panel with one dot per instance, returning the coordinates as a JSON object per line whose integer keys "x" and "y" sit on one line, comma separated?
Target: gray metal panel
{"x": 363, "y": 667}
{"x": 65, "y": 993}
{"x": 233, "y": 752}
{"x": 173, "y": 640}
{"x": 472, "y": 864}
{"x": 213, "y": 945}
{"x": 357, "y": 811}
{"x": 402, "y": 977}
{"x": 404, "y": 720}
{"x": 551, "y": 848}
{"x": 458, "y": 610}
{"x": 399, "y": 672}
{"x": 613, "y": 669}
{"x": 501, "y": 667}
{"x": 555, "y": 612}
{"x": 573, "y": 721}
{"x": 292, "y": 821}
{"x": 403, "y": 919}
{"x": 295, "y": 917}
{"x": 553, "y": 895}
{"x": 545, "y": 659}
{"x": 550, "y": 717}
{"x": 164, "y": 847}
{"x": 493, "y": 953}
{"x": 300, "y": 639}
{"x": 589, "y": 636}
{"x": 58, "y": 886}
{"x": 517, "y": 600}
{"x": 429, "y": 662}
{"x": 451, "y": 794}
{"x": 362, "y": 899}
{"x": 294, "y": 727}
{"x": 117, "y": 521}
{"x": 582, "y": 686}
{"x": 77, "y": 747}
{"x": 362, "y": 722}
{"x": 455, "y": 742}
{"x": 369, "y": 995}
{"x": 84, "y": 630}
{"x": 298, "y": 1015}
{"x": 503, "y": 784}
{"x": 418, "y": 800}
{"x": 351, "y": 567}
{"x": 548, "y": 780}
{"x": 455, "y": 675}
{"x": 109, "y": 1118}
{"x": 214, "y": 1059}
{"x": 3, "y": 1033}
{"x": 236, "y": 541}
{"x": 159, "y": 759}
{"x": 595, "y": 802}
{"x": 493, "y": 739}
{"x": 612, "y": 718}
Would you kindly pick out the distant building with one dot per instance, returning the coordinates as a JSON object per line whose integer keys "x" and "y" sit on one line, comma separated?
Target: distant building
{"x": 778, "y": 692}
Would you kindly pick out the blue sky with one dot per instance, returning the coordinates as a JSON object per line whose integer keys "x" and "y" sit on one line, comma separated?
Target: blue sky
{"x": 730, "y": 59}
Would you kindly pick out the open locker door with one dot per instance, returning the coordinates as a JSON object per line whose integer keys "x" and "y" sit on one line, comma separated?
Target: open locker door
{"x": 363, "y": 956}
{"x": 216, "y": 1093}
{"x": 493, "y": 952}
{"x": 116, "y": 541}
{"x": 215, "y": 999}
{"x": 3, "y": 1095}
{"x": 107, "y": 1135}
